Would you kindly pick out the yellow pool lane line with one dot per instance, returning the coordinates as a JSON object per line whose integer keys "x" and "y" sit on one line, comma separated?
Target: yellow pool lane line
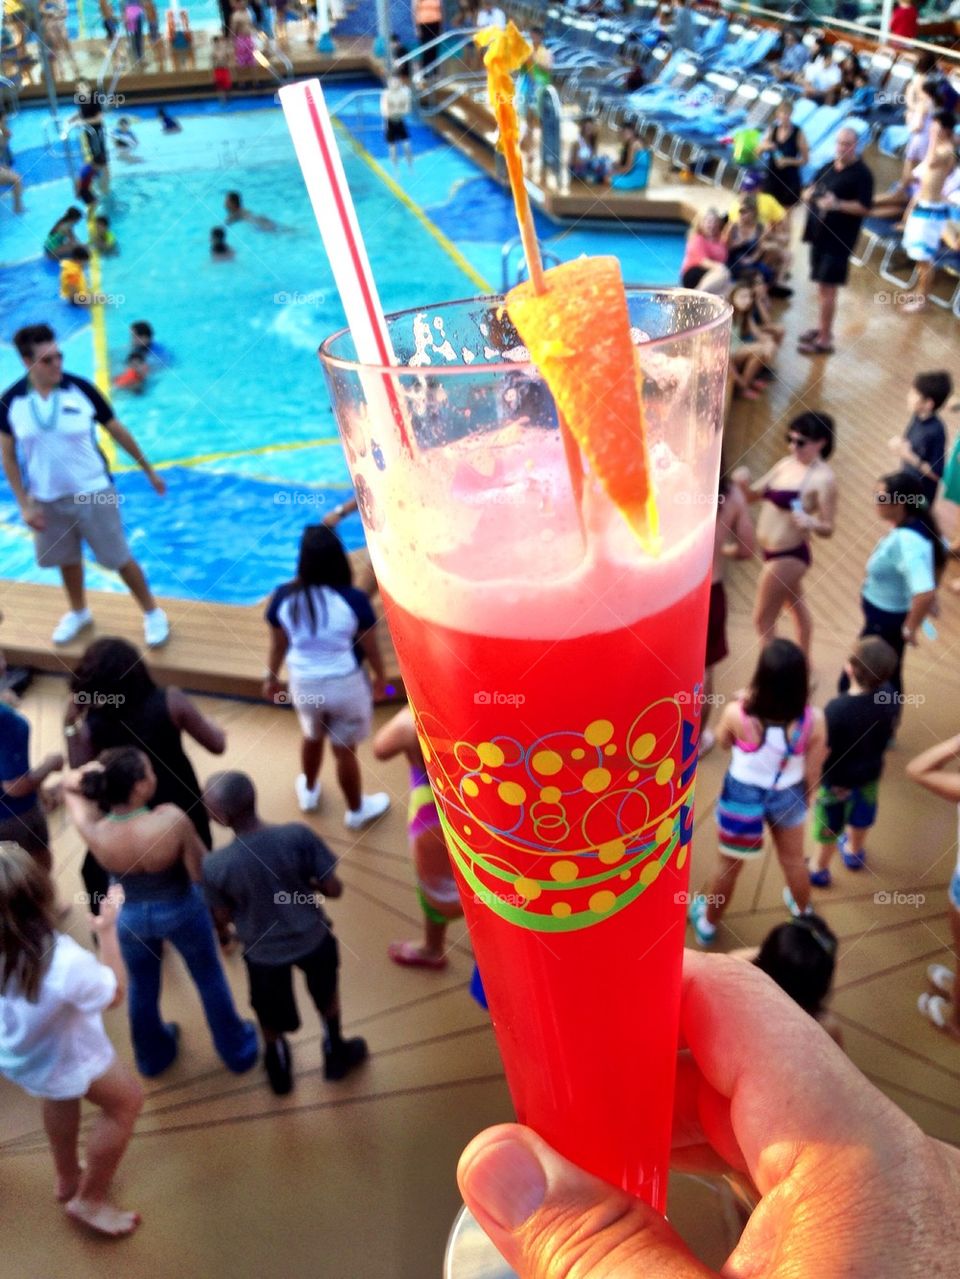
{"x": 98, "y": 327}
{"x": 447, "y": 245}
{"x": 199, "y": 459}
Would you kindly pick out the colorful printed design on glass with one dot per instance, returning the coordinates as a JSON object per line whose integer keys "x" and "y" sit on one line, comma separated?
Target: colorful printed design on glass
{"x": 564, "y": 832}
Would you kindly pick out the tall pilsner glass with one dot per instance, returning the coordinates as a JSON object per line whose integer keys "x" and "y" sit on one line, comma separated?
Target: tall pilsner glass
{"x": 554, "y": 666}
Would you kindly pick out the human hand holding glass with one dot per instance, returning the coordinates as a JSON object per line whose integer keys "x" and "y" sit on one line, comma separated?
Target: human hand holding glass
{"x": 848, "y": 1184}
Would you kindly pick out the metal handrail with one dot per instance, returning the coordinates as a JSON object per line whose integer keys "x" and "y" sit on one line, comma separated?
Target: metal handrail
{"x": 107, "y": 63}
{"x": 548, "y": 257}
{"x": 464, "y": 34}
{"x": 463, "y": 82}
{"x": 857, "y": 28}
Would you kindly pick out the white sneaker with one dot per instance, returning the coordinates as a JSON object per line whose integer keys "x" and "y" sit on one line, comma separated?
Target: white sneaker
{"x": 156, "y": 628}
{"x": 309, "y": 800}
{"x": 371, "y": 807}
{"x": 71, "y": 624}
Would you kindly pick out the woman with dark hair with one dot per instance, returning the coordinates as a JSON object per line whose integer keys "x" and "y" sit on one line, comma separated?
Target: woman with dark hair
{"x": 900, "y": 586}
{"x": 778, "y": 743}
{"x": 799, "y": 497}
{"x": 153, "y": 852}
{"x": 323, "y": 627}
{"x": 115, "y": 702}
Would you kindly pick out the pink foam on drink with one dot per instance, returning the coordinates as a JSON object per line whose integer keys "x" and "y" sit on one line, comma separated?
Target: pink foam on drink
{"x": 505, "y": 553}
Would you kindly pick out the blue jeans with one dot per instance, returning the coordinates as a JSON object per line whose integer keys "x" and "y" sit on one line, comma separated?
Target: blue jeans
{"x": 184, "y": 921}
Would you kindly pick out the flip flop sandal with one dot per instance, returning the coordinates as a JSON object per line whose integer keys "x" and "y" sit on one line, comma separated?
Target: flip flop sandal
{"x": 941, "y": 978}
{"x": 409, "y": 955}
{"x": 815, "y": 348}
{"x": 936, "y": 1009}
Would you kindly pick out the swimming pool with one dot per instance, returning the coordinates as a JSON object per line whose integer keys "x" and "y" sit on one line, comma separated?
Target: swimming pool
{"x": 240, "y": 423}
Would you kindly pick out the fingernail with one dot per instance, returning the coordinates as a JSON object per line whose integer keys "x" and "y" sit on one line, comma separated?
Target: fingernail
{"x": 506, "y": 1182}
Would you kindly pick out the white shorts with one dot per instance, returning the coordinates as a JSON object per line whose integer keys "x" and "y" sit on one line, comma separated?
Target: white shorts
{"x": 341, "y": 707}
{"x": 924, "y": 230}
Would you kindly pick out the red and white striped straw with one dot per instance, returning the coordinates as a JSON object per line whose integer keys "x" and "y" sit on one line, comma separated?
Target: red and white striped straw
{"x": 315, "y": 144}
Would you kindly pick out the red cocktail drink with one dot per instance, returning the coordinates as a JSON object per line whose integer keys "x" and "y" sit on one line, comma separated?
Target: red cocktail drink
{"x": 554, "y": 666}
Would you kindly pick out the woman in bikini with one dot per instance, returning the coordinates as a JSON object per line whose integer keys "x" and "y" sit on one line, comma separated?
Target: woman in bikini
{"x": 799, "y": 497}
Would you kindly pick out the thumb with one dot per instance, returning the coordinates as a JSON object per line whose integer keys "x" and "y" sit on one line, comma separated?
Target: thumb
{"x": 550, "y": 1220}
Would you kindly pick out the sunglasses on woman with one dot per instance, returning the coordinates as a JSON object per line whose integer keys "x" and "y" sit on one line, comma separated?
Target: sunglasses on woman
{"x": 798, "y": 440}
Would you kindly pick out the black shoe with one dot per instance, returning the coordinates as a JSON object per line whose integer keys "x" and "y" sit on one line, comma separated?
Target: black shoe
{"x": 350, "y": 1054}
{"x": 278, "y": 1064}
{"x": 780, "y": 291}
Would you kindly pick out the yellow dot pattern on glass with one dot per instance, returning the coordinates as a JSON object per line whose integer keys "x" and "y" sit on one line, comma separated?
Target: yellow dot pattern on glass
{"x": 511, "y": 793}
{"x": 650, "y": 872}
{"x": 564, "y": 872}
{"x": 599, "y": 732}
{"x": 528, "y": 889}
{"x": 642, "y": 747}
{"x": 490, "y": 754}
{"x": 666, "y": 771}
{"x": 596, "y": 780}
{"x": 546, "y": 763}
{"x": 590, "y": 816}
{"x": 611, "y": 852}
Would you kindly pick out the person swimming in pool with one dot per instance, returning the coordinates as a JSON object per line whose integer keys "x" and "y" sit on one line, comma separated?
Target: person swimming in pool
{"x": 126, "y": 142}
{"x": 167, "y": 122}
{"x": 233, "y": 204}
{"x": 102, "y": 238}
{"x": 145, "y": 354}
{"x": 220, "y": 251}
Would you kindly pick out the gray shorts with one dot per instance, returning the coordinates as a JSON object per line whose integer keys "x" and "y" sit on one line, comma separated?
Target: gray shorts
{"x": 93, "y": 518}
{"x": 341, "y": 707}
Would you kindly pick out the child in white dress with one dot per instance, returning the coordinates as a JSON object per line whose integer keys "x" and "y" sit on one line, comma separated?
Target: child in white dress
{"x": 52, "y": 1041}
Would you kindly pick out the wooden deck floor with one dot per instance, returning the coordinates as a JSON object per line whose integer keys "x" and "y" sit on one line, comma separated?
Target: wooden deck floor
{"x": 357, "y": 1180}
{"x": 213, "y": 648}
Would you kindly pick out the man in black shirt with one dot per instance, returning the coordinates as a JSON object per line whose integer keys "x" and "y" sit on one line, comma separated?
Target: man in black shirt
{"x": 922, "y": 447}
{"x": 838, "y": 200}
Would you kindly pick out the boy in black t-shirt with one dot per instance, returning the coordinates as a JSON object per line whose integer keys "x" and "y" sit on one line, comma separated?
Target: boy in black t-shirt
{"x": 923, "y": 446}
{"x": 271, "y": 882}
{"x": 860, "y": 724}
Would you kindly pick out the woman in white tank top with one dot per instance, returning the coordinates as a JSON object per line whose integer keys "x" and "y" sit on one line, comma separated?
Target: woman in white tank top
{"x": 778, "y": 745}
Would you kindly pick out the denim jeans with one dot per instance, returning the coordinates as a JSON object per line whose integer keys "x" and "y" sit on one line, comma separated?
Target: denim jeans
{"x": 185, "y": 922}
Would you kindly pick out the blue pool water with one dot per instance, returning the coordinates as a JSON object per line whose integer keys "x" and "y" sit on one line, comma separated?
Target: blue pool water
{"x": 240, "y": 423}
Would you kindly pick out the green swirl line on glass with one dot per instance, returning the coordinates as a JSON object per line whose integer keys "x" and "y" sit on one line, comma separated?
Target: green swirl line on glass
{"x": 536, "y": 922}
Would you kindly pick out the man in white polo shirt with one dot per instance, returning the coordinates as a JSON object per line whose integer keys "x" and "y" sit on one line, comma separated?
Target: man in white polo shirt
{"x": 59, "y": 477}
